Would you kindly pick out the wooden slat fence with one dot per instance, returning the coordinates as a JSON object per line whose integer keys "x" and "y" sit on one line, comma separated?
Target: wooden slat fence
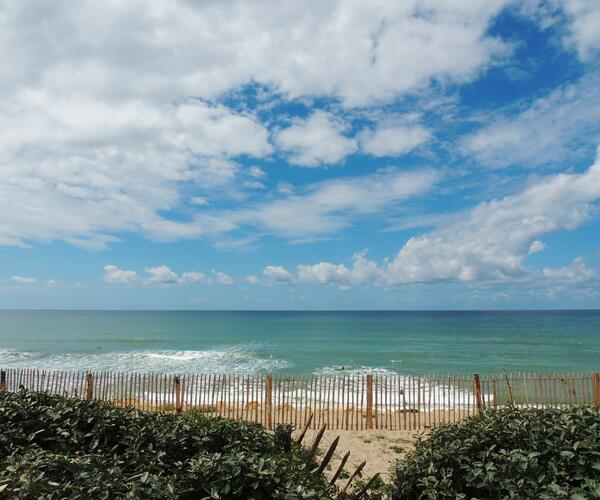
{"x": 342, "y": 401}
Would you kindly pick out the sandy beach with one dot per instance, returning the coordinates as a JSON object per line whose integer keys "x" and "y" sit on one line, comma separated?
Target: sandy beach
{"x": 378, "y": 448}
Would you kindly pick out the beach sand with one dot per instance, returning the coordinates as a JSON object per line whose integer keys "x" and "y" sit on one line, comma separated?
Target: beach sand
{"x": 379, "y": 448}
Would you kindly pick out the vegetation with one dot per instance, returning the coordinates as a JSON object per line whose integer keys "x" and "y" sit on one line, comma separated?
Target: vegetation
{"x": 509, "y": 453}
{"x": 56, "y": 447}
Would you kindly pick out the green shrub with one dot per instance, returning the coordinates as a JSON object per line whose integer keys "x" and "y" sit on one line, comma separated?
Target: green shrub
{"x": 283, "y": 437}
{"x": 56, "y": 447}
{"x": 532, "y": 453}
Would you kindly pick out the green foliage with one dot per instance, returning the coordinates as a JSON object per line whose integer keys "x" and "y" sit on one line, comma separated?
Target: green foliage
{"x": 56, "y": 447}
{"x": 283, "y": 437}
{"x": 377, "y": 491}
{"x": 529, "y": 453}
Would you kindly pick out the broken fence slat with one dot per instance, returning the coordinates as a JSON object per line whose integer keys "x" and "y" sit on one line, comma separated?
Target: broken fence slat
{"x": 366, "y": 487}
{"x": 352, "y": 477}
{"x": 340, "y": 469}
{"x": 328, "y": 456}
{"x": 306, "y": 426}
{"x": 315, "y": 446}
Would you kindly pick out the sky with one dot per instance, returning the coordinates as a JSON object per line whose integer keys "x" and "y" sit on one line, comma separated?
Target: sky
{"x": 330, "y": 154}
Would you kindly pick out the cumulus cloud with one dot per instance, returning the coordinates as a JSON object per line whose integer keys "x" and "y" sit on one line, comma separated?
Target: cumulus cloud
{"x": 64, "y": 179}
{"x": 256, "y": 172}
{"x": 116, "y": 276}
{"x": 277, "y": 274}
{"x": 162, "y": 275}
{"x": 393, "y": 140}
{"x": 488, "y": 243}
{"x": 316, "y": 141}
{"x": 554, "y": 128}
{"x": 23, "y": 280}
{"x": 574, "y": 273}
{"x": 252, "y": 280}
{"x": 358, "y": 52}
{"x": 221, "y": 278}
{"x": 193, "y": 277}
{"x": 583, "y": 21}
{"x": 361, "y": 271}
{"x": 492, "y": 240}
{"x": 105, "y": 131}
{"x": 536, "y": 246}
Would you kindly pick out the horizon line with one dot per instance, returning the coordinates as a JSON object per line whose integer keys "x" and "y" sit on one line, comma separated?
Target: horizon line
{"x": 299, "y": 310}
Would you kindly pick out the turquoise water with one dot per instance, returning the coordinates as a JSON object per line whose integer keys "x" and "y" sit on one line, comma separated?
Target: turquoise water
{"x": 301, "y": 342}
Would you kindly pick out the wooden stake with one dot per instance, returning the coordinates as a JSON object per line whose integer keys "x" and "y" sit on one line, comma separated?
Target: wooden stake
{"x": 511, "y": 400}
{"x": 177, "y": 394}
{"x": 305, "y": 428}
{"x": 269, "y": 401}
{"x": 477, "y": 391}
{"x": 369, "y": 401}
{"x": 328, "y": 456}
{"x": 315, "y": 446}
{"x": 366, "y": 487}
{"x": 339, "y": 469}
{"x": 90, "y": 386}
{"x": 596, "y": 387}
{"x": 356, "y": 473}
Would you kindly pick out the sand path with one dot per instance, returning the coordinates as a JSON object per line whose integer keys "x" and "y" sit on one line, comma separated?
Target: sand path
{"x": 379, "y": 448}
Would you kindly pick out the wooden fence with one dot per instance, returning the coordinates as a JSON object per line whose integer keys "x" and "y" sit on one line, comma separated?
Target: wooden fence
{"x": 339, "y": 401}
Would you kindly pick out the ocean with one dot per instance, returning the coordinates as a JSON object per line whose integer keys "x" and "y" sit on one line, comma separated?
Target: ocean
{"x": 301, "y": 342}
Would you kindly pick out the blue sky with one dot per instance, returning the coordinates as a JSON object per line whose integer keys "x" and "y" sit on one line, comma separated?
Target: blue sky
{"x": 300, "y": 155}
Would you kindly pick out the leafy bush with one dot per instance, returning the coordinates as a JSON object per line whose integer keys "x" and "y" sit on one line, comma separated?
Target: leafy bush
{"x": 510, "y": 453}
{"x": 283, "y": 437}
{"x": 56, "y": 447}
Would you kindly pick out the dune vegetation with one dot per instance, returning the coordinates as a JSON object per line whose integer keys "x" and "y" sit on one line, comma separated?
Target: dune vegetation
{"x": 57, "y": 447}
{"x": 510, "y": 453}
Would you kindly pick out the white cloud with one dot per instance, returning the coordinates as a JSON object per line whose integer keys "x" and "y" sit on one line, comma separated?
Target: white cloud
{"x": 584, "y": 19}
{"x": 256, "y": 172}
{"x": 316, "y": 141}
{"x": 222, "y": 278}
{"x": 254, "y": 185}
{"x": 198, "y": 200}
{"x": 325, "y": 273}
{"x": 488, "y": 243}
{"x": 574, "y": 273}
{"x": 162, "y": 275}
{"x": 193, "y": 277}
{"x": 492, "y": 240}
{"x": 393, "y": 140}
{"x": 285, "y": 188}
{"x": 252, "y": 280}
{"x": 23, "y": 280}
{"x": 536, "y": 246}
{"x": 329, "y": 206}
{"x": 117, "y": 126}
{"x": 115, "y": 276}
{"x": 356, "y": 51}
{"x": 558, "y": 127}
{"x": 62, "y": 179}
{"x": 277, "y": 274}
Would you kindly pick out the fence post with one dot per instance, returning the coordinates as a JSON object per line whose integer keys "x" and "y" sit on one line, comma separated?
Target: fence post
{"x": 2, "y": 380}
{"x": 90, "y": 386}
{"x": 269, "y": 401}
{"x": 596, "y": 387}
{"x": 477, "y": 390}
{"x": 369, "y": 401}
{"x": 177, "y": 394}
